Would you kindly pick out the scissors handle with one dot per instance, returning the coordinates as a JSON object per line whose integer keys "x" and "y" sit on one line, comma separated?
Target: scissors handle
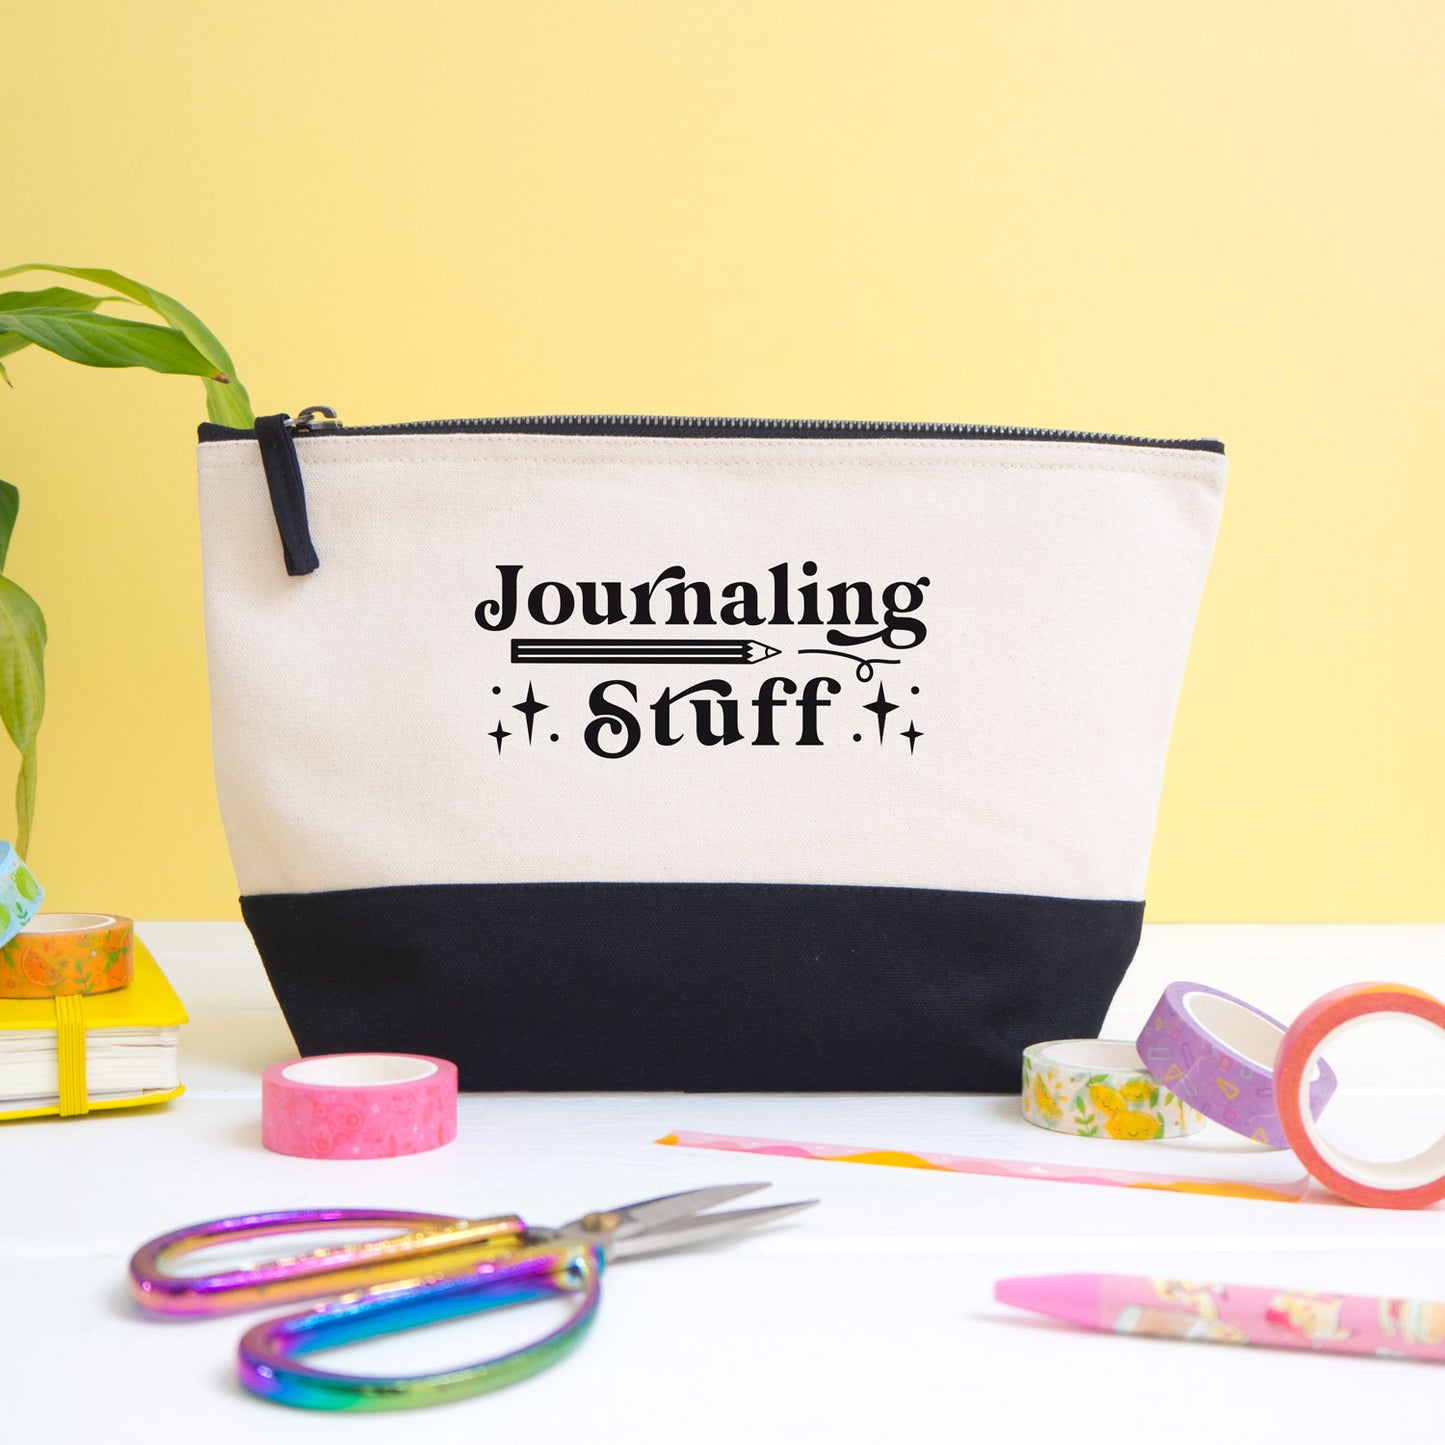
{"x": 268, "y": 1367}
{"x": 421, "y": 1246}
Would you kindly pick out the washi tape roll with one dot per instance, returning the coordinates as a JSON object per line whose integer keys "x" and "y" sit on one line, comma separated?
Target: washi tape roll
{"x": 1218, "y": 1054}
{"x": 1391, "y": 1184}
{"x": 359, "y": 1106}
{"x": 1099, "y": 1088}
{"x": 20, "y": 895}
{"x": 64, "y": 953}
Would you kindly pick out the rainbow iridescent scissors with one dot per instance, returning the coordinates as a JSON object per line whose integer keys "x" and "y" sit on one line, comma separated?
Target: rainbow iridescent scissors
{"x": 438, "y": 1268}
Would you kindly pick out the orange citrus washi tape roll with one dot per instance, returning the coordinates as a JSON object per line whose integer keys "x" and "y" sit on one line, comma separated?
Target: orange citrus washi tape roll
{"x": 66, "y": 953}
{"x": 1393, "y": 1184}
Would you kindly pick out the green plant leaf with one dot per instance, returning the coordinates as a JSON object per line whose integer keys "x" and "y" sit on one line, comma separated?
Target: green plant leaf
{"x": 226, "y": 402}
{"x": 51, "y": 296}
{"x": 107, "y": 340}
{"x": 62, "y": 320}
{"x": 228, "y": 405}
{"x": 187, "y": 322}
{"x": 9, "y": 510}
{"x": 22, "y": 693}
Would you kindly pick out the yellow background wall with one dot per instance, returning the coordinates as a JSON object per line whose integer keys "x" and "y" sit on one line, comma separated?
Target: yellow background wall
{"x": 1175, "y": 219}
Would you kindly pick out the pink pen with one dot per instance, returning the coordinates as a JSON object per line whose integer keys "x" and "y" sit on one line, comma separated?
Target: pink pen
{"x": 1234, "y": 1314}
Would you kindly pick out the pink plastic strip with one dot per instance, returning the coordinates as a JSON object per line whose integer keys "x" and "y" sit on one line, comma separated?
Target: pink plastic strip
{"x": 1289, "y": 1192}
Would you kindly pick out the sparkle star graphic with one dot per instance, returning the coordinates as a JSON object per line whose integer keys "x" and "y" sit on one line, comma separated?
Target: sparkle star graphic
{"x": 499, "y": 732}
{"x": 912, "y": 734}
{"x": 529, "y": 710}
{"x": 882, "y": 707}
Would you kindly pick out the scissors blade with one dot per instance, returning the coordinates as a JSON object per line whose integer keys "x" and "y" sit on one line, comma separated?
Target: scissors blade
{"x": 628, "y": 1220}
{"x": 682, "y": 1233}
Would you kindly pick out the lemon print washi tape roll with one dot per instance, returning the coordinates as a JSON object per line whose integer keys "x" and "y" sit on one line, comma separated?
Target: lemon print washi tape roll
{"x": 1100, "y": 1089}
{"x": 68, "y": 953}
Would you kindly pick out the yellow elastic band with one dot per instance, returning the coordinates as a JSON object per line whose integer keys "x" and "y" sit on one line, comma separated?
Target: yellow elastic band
{"x": 70, "y": 1043}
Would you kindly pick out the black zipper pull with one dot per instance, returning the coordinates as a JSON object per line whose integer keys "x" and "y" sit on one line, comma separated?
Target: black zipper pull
{"x": 288, "y": 495}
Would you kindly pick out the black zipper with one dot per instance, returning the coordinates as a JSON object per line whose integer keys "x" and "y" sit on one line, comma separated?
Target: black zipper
{"x": 288, "y": 493}
{"x": 277, "y": 438}
{"x": 314, "y": 420}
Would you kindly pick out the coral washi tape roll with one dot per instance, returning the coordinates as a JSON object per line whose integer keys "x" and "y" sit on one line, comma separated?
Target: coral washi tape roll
{"x": 359, "y": 1106}
{"x": 1393, "y": 1184}
{"x": 20, "y": 895}
{"x": 1100, "y": 1088}
{"x": 65, "y": 953}
{"x": 1218, "y": 1054}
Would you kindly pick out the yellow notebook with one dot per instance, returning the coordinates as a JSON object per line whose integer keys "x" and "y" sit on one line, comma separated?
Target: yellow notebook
{"x": 72, "y": 1055}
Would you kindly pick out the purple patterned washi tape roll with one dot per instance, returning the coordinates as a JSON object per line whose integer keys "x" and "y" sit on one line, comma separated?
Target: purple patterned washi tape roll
{"x": 1217, "y": 1053}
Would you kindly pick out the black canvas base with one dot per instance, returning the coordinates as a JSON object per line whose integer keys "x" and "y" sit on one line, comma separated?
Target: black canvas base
{"x": 695, "y": 986}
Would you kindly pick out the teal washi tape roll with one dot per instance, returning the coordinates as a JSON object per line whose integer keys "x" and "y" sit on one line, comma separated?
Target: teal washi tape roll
{"x": 20, "y": 894}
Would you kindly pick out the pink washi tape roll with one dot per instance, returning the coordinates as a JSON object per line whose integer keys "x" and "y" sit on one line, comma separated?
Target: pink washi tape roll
{"x": 1377, "y": 1184}
{"x": 359, "y": 1106}
{"x": 1218, "y": 1054}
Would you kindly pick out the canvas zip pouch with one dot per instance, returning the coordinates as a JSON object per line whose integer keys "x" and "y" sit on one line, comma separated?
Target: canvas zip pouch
{"x": 655, "y": 753}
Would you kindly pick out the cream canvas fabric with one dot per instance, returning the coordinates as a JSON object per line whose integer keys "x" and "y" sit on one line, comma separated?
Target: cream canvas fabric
{"x": 352, "y": 707}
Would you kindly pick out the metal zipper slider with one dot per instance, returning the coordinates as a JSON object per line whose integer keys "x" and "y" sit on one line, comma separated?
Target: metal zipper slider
{"x": 314, "y": 418}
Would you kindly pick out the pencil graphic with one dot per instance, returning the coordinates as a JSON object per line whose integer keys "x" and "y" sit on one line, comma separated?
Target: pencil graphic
{"x": 634, "y": 652}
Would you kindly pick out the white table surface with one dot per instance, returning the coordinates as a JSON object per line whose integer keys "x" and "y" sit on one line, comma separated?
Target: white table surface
{"x": 870, "y": 1319}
